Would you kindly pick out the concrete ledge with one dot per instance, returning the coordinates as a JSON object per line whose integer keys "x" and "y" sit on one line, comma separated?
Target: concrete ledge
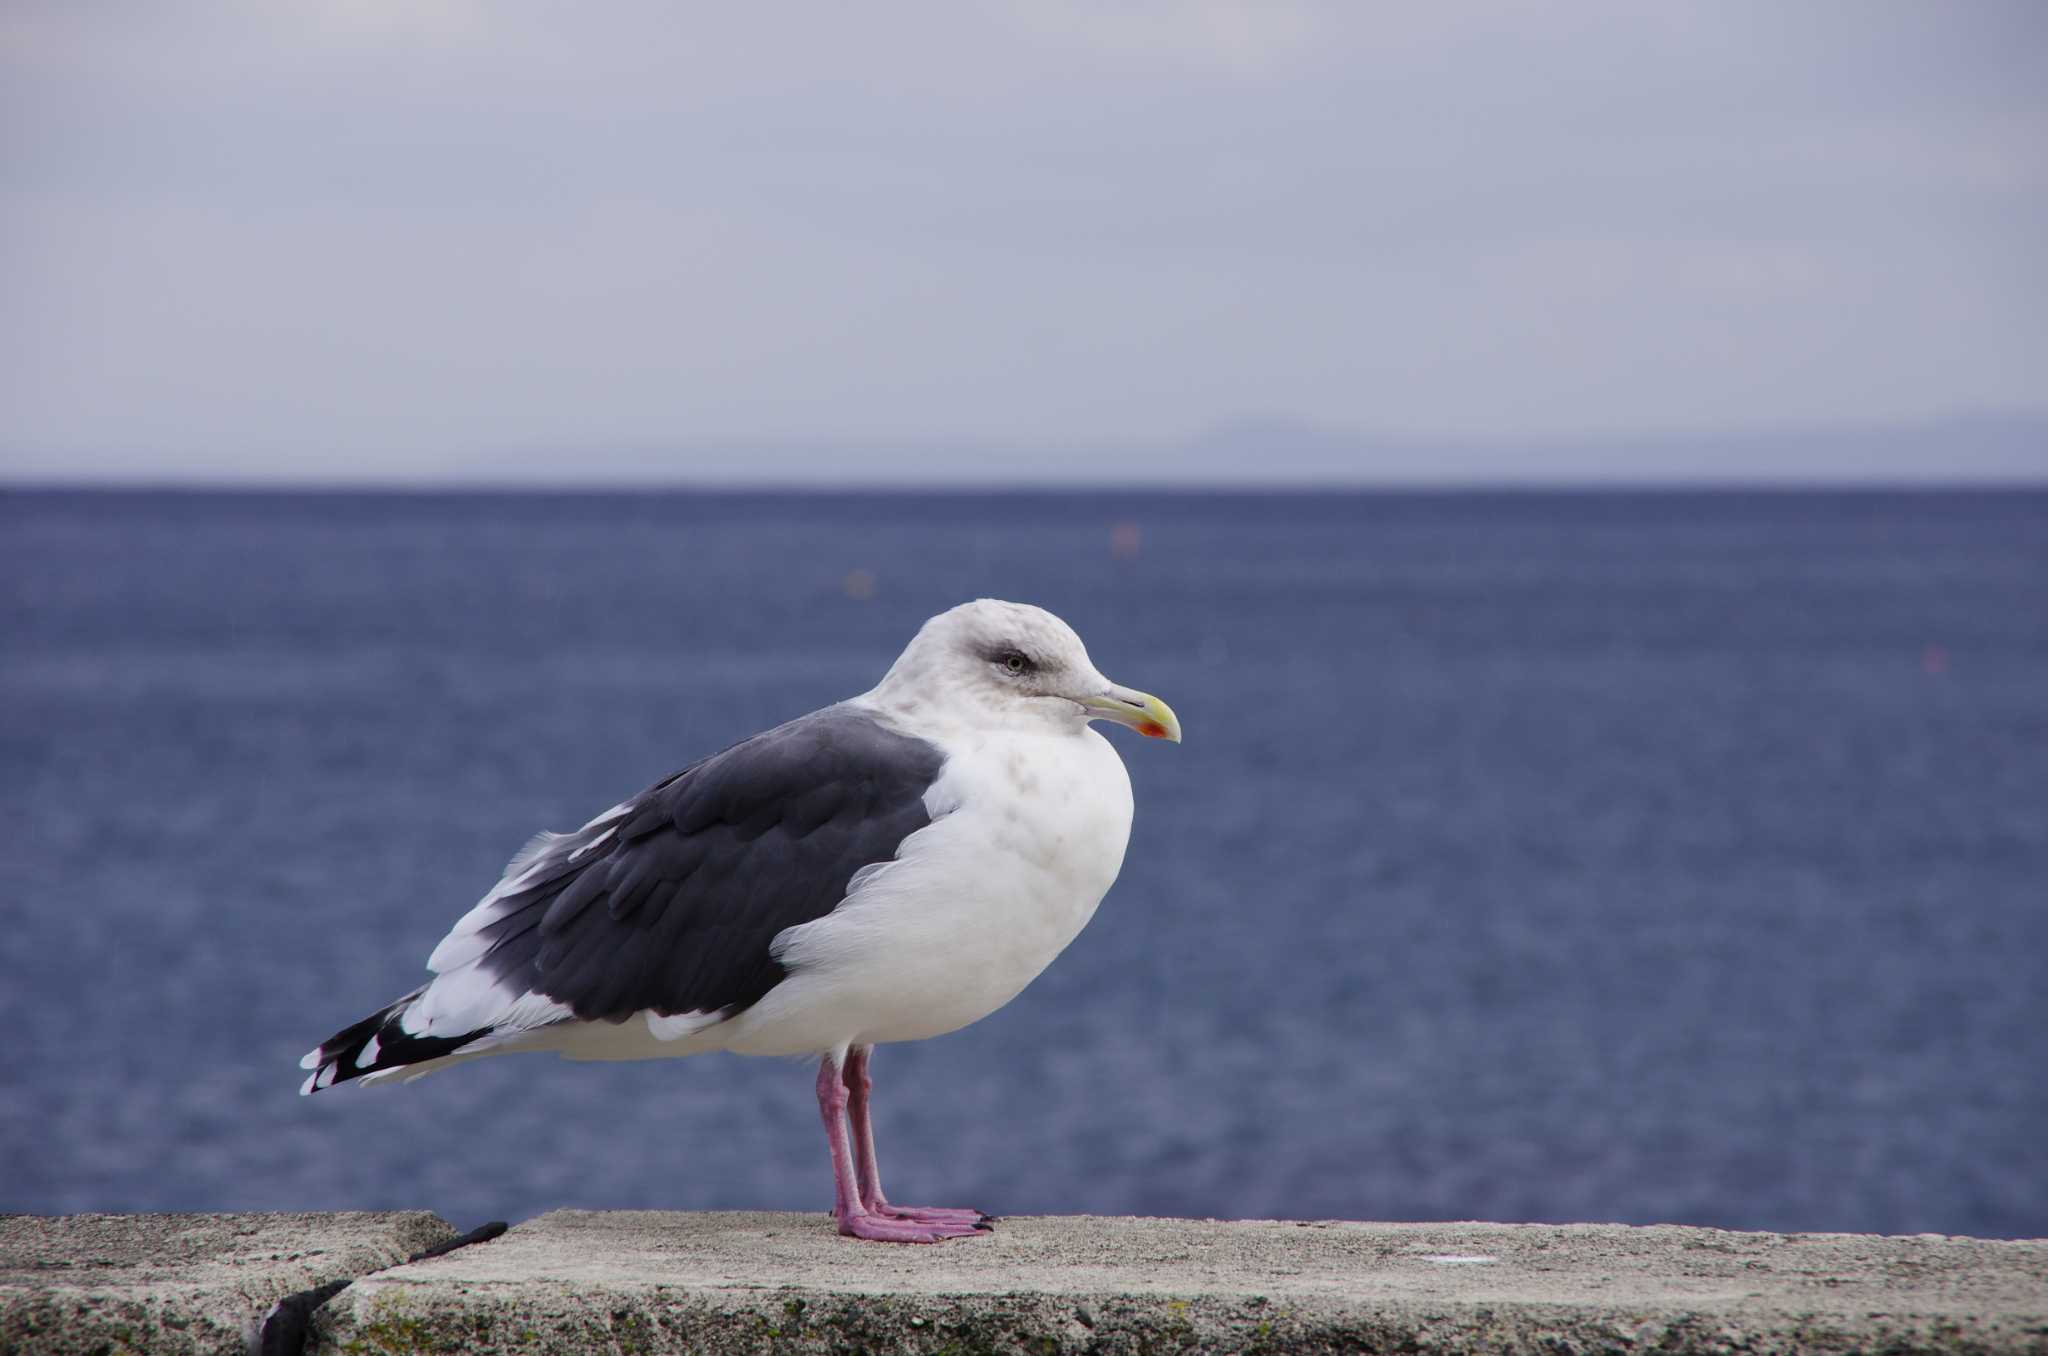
{"x": 714, "y": 1283}
{"x": 180, "y": 1283}
{"x": 650, "y": 1283}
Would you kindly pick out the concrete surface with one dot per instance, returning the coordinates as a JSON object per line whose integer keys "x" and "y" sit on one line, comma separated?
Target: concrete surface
{"x": 712, "y": 1283}
{"x": 179, "y": 1284}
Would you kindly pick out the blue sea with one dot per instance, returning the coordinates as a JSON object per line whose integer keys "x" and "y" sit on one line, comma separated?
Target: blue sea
{"x": 1546, "y": 856}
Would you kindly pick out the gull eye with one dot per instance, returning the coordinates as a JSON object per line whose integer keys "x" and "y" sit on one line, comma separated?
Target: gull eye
{"x": 1013, "y": 662}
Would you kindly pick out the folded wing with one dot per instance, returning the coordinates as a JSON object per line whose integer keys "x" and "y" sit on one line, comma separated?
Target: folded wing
{"x": 665, "y": 906}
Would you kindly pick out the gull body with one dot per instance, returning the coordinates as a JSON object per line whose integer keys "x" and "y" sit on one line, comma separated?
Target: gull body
{"x": 900, "y": 959}
{"x": 891, "y": 868}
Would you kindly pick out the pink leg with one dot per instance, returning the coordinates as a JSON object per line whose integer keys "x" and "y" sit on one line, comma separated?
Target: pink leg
{"x": 855, "y": 1220}
{"x": 868, "y": 1173}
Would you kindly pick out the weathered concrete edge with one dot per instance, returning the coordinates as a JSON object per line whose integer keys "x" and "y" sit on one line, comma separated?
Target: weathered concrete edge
{"x": 784, "y": 1284}
{"x": 288, "y": 1327}
{"x": 555, "y": 1320}
{"x": 648, "y": 1282}
{"x": 147, "y": 1303}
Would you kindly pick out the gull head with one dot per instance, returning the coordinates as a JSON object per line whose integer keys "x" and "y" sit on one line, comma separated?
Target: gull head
{"x": 1010, "y": 664}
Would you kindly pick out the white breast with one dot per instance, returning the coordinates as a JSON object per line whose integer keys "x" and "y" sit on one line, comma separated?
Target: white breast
{"x": 1028, "y": 834}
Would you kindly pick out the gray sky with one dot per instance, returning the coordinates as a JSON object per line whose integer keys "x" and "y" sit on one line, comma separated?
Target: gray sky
{"x": 389, "y": 238}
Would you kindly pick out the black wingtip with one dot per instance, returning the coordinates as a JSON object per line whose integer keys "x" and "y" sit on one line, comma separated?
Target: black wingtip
{"x": 340, "y": 1057}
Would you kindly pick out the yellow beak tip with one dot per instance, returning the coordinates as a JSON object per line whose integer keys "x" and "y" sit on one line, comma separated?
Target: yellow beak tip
{"x": 1160, "y": 723}
{"x": 1140, "y": 711}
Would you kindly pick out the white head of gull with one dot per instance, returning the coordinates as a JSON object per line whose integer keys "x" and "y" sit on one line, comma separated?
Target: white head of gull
{"x": 889, "y": 868}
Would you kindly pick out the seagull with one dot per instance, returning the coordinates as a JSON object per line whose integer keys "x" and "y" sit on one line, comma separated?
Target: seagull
{"x": 889, "y": 868}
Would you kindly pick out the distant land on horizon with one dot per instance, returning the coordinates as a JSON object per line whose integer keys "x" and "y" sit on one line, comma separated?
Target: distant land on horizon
{"x": 1966, "y": 449}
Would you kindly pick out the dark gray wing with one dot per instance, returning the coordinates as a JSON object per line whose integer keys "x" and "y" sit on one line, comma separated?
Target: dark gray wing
{"x": 669, "y": 903}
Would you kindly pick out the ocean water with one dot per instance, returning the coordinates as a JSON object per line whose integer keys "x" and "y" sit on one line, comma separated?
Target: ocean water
{"x": 1638, "y": 857}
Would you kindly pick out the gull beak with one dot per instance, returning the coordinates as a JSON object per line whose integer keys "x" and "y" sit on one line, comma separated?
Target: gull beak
{"x": 1141, "y": 711}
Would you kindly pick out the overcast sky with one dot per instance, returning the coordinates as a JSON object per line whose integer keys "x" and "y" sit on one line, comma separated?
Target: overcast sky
{"x": 381, "y": 237}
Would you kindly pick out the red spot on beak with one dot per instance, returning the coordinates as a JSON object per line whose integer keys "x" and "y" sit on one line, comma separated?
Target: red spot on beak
{"x": 1152, "y": 730}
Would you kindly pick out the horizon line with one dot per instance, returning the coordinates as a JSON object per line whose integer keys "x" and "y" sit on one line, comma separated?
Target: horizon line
{"x": 1193, "y": 487}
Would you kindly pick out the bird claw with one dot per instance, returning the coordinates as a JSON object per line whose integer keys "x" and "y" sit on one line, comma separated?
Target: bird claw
{"x": 888, "y": 1229}
{"x": 931, "y": 1214}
